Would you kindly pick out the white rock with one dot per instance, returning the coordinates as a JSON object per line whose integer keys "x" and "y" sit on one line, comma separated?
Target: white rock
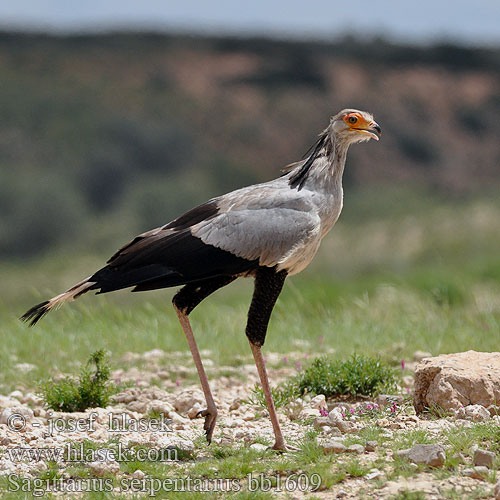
{"x": 193, "y": 412}
{"x": 333, "y": 447}
{"x": 187, "y": 399}
{"x": 449, "y": 381}
{"x": 138, "y": 474}
{"x": 477, "y": 413}
{"x": 104, "y": 468}
{"x": 318, "y": 402}
{"x": 17, "y": 394}
{"x": 259, "y": 447}
{"x": 16, "y": 417}
{"x": 373, "y": 474}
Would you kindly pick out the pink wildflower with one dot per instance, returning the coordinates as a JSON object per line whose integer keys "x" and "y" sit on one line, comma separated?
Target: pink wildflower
{"x": 323, "y": 412}
{"x": 403, "y": 365}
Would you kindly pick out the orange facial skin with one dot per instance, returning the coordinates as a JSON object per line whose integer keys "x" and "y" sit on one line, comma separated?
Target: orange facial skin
{"x": 358, "y": 123}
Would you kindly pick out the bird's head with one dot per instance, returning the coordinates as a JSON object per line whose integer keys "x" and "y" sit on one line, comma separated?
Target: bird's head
{"x": 352, "y": 125}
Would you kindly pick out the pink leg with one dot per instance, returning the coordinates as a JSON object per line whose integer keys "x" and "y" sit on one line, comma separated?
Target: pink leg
{"x": 210, "y": 413}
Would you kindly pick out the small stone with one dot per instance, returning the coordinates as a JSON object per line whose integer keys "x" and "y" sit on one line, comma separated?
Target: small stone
{"x": 235, "y": 404}
{"x": 387, "y": 434}
{"x": 240, "y": 434}
{"x": 356, "y": 448}
{"x": 476, "y": 413}
{"x": 341, "y": 494}
{"x": 248, "y": 417}
{"x": 318, "y": 402}
{"x": 17, "y": 394}
{"x": 16, "y": 417}
{"x": 104, "y": 468}
{"x": 479, "y": 472}
{"x": 373, "y": 474}
{"x": 333, "y": 447}
{"x": 484, "y": 457}
{"x": 337, "y": 419}
{"x": 194, "y": 411}
{"x": 389, "y": 399}
{"x": 161, "y": 407}
{"x": 320, "y": 422}
{"x": 371, "y": 445}
{"x": 140, "y": 406}
{"x": 125, "y": 397}
{"x": 138, "y": 474}
{"x": 427, "y": 454}
{"x": 187, "y": 399}
{"x": 259, "y": 447}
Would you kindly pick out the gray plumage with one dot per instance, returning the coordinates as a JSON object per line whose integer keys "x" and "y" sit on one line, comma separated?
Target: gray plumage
{"x": 276, "y": 224}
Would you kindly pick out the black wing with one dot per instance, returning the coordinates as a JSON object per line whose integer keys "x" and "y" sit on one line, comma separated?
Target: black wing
{"x": 169, "y": 256}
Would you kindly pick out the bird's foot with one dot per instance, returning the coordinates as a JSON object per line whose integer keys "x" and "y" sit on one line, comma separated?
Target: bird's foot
{"x": 210, "y": 415}
{"x": 282, "y": 447}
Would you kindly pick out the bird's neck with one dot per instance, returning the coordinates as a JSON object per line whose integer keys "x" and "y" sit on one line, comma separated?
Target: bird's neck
{"x": 323, "y": 169}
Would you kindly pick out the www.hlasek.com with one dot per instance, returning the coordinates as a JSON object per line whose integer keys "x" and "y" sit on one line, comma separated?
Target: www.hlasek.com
{"x": 78, "y": 452}
{"x": 151, "y": 486}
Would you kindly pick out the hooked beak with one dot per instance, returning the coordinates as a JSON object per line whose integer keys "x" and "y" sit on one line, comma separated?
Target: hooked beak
{"x": 373, "y": 130}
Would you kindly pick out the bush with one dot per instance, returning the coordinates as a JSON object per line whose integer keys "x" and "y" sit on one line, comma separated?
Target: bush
{"x": 91, "y": 390}
{"x": 359, "y": 375}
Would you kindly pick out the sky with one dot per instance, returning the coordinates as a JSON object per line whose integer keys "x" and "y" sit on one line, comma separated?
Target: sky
{"x": 474, "y": 22}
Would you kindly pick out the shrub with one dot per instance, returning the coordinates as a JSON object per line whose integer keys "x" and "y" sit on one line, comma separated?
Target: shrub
{"x": 91, "y": 390}
{"x": 360, "y": 375}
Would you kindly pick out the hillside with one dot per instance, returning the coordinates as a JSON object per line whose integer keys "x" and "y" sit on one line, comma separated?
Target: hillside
{"x": 127, "y": 130}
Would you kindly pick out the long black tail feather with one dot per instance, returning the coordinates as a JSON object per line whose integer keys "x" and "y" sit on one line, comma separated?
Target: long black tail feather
{"x": 36, "y": 313}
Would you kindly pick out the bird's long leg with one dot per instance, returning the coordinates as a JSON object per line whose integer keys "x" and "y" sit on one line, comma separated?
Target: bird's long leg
{"x": 184, "y": 302}
{"x": 268, "y": 285}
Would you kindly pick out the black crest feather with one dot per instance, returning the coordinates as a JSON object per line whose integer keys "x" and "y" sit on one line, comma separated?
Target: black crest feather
{"x": 298, "y": 178}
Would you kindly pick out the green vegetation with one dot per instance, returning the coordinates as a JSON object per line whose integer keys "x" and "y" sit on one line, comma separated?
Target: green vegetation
{"x": 281, "y": 395}
{"x": 92, "y": 390}
{"x": 359, "y": 375}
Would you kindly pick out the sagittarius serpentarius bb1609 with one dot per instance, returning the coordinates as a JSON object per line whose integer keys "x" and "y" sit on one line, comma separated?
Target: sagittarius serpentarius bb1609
{"x": 267, "y": 231}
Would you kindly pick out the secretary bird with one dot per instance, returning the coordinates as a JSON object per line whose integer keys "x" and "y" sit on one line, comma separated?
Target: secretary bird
{"x": 266, "y": 231}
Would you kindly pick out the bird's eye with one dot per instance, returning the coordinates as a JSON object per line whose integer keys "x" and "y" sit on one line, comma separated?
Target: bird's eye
{"x": 353, "y": 119}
